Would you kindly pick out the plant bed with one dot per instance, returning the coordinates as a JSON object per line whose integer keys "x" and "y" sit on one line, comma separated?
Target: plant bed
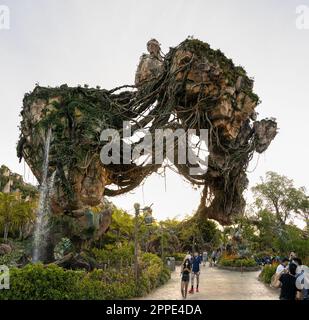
{"x": 236, "y": 263}
{"x": 239, "y": 269}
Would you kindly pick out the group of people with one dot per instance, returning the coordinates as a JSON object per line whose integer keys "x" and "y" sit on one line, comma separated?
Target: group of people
{"x": 190, "y": 269}
{"x": 293, "y": 279}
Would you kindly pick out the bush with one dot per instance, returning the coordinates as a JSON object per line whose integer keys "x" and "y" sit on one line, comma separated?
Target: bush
{"x": 114, "y": 255}
{"x": 267, "y": 272}
{"x": 234, "y": 261}
{"x": 155, "y": 273}
{"x": 39, "y": 282}
{"x": 36, "y": 282}
{"x": 179, "y": 256}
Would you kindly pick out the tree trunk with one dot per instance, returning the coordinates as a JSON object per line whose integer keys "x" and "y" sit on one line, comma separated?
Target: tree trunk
{"x": 6, "y": 232}
{"x": 193, "y": 245}
{"x": 20, "y": 233}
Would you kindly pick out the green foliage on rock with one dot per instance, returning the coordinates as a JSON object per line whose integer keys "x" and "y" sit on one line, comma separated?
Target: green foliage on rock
{"x": 17, "y": 183}
{"x": 231, "y": 72}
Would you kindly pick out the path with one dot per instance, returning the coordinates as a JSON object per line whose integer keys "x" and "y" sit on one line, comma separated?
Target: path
{"x": 218, "y": 284}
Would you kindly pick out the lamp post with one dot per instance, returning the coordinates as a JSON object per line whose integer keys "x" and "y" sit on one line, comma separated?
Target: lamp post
{"x": 148, "y": 219}
{"x": 137, "y": 209}
{"x": 162, "y": 243}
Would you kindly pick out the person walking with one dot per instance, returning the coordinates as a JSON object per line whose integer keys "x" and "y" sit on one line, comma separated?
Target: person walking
{"x": 205, "y": 258}
{"x": 213, "y": 258}
{"x": 196, "y": 261}
{"x": 185, "y": 275}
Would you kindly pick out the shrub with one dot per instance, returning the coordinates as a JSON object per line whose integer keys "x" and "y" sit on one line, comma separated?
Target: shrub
{"x": 36, "y": 282}
{"x": 114, "y": 255}
{"x": 179, "y": 256}
{"x": 39, "y": 282}
{"x": 154, "y": 274}
{"x": 234, "y": 261}
{"x": 267, "y": 272}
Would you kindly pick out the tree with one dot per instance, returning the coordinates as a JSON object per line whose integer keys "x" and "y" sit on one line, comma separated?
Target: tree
{"x": 196, "y": 233}
{"x": 15, "y": 213}
{"x": 121, "y": 229}
{"x": 304, "y": 211}
{"x": 268, "y": 230}
{"x": 277, "y": 194}
{"x": 8, "y": 202}
{"x": 24, "y": 214}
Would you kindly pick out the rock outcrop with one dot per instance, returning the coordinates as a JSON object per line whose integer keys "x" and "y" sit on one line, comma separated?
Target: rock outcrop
{"x": 13, "y": 182}
{"x": 198, "y": 88}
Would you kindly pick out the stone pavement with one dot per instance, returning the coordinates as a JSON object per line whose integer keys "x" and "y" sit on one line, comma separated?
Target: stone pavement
{"x": 218, "y": 284}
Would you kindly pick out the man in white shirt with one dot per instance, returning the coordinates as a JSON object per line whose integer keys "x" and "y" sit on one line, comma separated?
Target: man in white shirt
{"x": 282, "y": 266}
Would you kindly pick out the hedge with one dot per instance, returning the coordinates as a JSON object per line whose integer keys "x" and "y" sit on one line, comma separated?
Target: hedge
{"x": 39, "y": 282}
{"x": 232, "y": 261}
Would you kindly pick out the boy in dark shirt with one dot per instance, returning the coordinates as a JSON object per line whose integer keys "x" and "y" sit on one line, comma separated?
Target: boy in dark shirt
{"x": 196, "y": 261}
{"x": 288, "y": 283}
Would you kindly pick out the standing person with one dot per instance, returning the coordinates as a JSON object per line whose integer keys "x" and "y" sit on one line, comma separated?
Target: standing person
{"x": 196, "y": 261}
{"x": 292, "y": 256}
{"x": 205, "y": 258}
{"x": 185, "y": 275}
{"x": 282, "y": 266}
{"x": 218, "y": 255}
{"x": 213, "y": 258}
{"x": 287, "y": 282}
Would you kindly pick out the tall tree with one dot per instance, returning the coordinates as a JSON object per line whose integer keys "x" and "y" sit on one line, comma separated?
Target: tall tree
{"x": 278, "y": 194}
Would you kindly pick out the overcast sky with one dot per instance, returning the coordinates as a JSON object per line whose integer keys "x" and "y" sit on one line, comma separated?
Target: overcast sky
{"x": 99, "y": 43}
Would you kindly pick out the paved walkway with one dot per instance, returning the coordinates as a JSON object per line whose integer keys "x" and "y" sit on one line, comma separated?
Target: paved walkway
{"x": 218, "y": 284}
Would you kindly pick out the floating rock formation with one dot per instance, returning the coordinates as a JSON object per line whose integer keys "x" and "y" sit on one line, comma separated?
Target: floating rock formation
{"x": 197, "y": 88}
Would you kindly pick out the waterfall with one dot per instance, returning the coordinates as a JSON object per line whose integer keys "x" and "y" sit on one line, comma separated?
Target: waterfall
{"x": 43, "y": 212}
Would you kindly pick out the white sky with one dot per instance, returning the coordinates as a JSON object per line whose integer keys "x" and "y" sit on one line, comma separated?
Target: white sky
{"x": 99, "y": 43}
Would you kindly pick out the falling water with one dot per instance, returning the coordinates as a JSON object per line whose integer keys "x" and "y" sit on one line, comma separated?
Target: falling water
{"x": 43, "y": 212}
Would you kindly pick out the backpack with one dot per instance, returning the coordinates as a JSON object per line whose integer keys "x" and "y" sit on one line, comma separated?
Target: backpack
{"x": 302, "y": 279}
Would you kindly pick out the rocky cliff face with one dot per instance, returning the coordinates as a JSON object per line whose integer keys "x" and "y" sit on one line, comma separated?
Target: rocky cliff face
{"x": 13, "y": 182}
{"x": 198, "y": 88}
